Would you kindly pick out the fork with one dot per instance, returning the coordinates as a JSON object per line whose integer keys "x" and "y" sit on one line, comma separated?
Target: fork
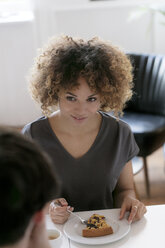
{"x": 76, "y": 215}
{"x": 81, "y": 219}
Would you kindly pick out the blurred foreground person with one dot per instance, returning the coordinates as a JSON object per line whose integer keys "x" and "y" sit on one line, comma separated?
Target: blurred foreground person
{"x": 27, "y": 184}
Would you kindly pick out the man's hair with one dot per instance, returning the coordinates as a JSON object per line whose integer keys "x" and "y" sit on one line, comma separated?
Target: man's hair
{"x": 27, "y": 183}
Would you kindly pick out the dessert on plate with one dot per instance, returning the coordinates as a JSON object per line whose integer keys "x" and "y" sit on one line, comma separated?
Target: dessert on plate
{"x": 96, "y": 227}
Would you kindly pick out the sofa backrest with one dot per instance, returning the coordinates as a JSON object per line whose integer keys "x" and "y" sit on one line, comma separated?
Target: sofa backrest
{"x": 149, "y": 84}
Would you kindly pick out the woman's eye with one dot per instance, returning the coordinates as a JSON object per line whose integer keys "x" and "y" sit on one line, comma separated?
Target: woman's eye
{"x": 71, "y": 98}
{"x": 92, "y": 99}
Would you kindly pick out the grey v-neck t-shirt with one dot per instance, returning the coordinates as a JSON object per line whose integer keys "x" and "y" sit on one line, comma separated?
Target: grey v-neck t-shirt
{"x": 88, "y": 182}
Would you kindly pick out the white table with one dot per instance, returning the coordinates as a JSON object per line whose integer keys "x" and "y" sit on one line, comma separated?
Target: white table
{"x": 148, "y": 232}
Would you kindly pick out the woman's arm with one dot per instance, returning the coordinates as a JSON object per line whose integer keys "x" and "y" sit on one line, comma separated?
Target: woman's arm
{"x": 125, "y": 185}
{"x": 124, "y": 195}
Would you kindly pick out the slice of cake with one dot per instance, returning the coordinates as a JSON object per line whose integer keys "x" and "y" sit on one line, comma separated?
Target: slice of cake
{"x": 97, "y": 227}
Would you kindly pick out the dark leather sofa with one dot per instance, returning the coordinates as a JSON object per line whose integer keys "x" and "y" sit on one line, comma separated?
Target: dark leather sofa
{"x": 145, "y": 112}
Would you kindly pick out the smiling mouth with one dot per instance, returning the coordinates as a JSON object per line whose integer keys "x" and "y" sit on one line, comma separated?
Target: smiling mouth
{"x": 78, "y": 118}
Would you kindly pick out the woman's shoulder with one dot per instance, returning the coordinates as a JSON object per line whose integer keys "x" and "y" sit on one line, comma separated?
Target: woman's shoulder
{"x": 34, "y": 126}
{"x": 111, "y": 121}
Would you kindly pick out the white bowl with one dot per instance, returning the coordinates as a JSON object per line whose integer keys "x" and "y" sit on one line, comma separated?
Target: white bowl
{"x": 55, "y": 237}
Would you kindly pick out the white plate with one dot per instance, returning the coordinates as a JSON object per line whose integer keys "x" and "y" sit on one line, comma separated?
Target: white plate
{"x": 73, "y": 230}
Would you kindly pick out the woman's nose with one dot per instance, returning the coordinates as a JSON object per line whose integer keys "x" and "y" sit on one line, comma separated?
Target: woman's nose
{"x": 81, "y": 107}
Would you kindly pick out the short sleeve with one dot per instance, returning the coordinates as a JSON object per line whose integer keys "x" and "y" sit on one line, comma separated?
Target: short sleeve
{"x": 133, "y": 148}
{"x": 129, "y": 146}
{"x": 27, "y": 131}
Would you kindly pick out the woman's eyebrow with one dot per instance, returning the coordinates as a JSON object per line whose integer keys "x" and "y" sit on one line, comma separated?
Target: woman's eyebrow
{"x": 92, "y": 95}
{"x": 71, "y": 94}
{"x": 76, "y": 96}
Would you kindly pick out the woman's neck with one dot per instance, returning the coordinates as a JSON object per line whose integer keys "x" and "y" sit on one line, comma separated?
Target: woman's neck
{"x": 61, "y": 124}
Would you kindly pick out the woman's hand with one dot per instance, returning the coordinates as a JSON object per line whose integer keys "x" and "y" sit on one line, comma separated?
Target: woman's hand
{"x": 125, "y": 195}
{"x": 58, "y": 211}
{"x": 136, "y": 208}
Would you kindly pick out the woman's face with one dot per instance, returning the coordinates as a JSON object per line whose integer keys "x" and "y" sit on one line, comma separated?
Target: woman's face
{"x": 80, "y": 104}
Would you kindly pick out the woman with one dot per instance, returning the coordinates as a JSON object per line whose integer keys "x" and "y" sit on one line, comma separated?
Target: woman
{"x": 91, "y": 150}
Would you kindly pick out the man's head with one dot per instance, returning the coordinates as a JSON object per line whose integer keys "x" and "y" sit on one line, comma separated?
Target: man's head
{"x": 27, "y": 183}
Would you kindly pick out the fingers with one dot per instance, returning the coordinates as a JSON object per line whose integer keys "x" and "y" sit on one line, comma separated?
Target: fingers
{"x": 61, "y": 201}
{"x": 122, "y": 211}
{"x": 59, "y": 215}
{"x": 133, "y": 213}
{"x": 136, "y": 209}
{"x": 58, "y": 211}
{"x": 137, "y": 212}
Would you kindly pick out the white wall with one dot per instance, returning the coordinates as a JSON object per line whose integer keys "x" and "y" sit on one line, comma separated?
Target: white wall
{"x": 20, "y": 38}
{"x": 109, "y": 23}
{"x": 17, "y": 49}
{"x": 159, "y": 33}
{"x": 108, "y": 19}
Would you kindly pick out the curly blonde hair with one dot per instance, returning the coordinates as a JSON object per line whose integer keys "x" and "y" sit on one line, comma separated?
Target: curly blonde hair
{"x": 107, "y": 70}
